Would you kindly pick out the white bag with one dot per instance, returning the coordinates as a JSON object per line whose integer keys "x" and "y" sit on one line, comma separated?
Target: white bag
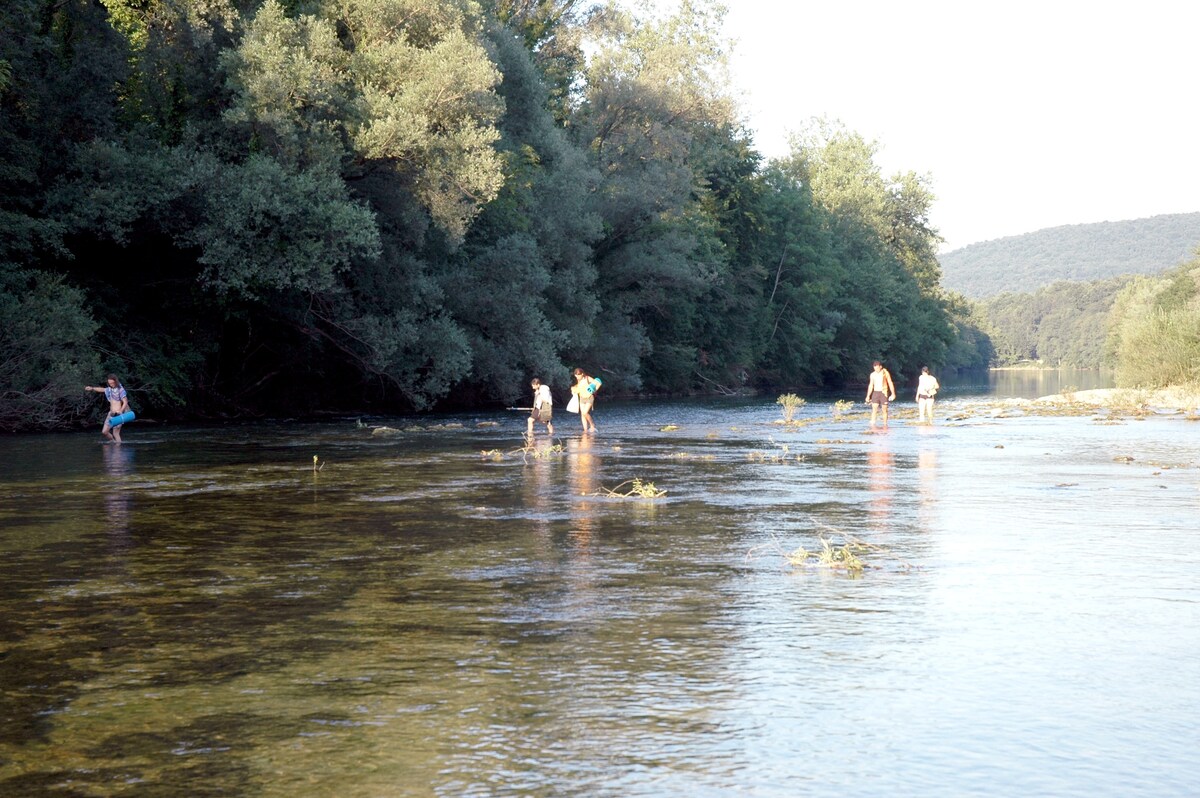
{"x": 573, "y": 405}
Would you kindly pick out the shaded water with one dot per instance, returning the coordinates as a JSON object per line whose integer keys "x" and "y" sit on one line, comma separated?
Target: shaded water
{"x": 196, "y": 612}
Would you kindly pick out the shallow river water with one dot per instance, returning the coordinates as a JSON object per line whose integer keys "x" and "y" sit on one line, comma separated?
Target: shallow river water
{"x": 435, "y": 612}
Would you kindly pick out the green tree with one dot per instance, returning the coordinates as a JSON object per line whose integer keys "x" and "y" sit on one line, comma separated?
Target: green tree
{"x": 1155, "y": 334}
{"x": 45, "y": 350}
{"x": 522, "y": 287}
{"x": 649, "y": 88}
{"x": 889, "y": 302}
{"x": 552, "y": 32}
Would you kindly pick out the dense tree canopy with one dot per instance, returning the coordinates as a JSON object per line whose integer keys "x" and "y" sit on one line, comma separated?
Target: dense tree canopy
{"x": 1064, "y": 324}
{"x": 249, "y": 207}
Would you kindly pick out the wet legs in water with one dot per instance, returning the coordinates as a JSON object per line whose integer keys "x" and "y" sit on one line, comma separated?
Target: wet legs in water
{"x": 925, "y": 411}
{"x": 529, "y": 429}
{"x": 875, "y": 407}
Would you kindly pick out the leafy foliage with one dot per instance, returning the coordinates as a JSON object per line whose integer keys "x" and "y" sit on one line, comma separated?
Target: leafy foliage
{"x": 1155, "y": 338}
{"x": 45, "y": 352}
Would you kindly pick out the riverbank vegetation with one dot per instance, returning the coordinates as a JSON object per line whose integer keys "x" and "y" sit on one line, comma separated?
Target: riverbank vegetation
{"x": 387, "y": 205}
{"x": 1063, "y": 324}
{"x": 1155, "y": 331}
{"x": 1145, "y": 328}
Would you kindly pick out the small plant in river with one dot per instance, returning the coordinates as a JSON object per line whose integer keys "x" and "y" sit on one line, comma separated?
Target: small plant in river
{"x": 844, "y": 557}
{"x": 637, "y": 489}
{"x": 847, "y": 557}
{"x": 778, "y": 457}
{"x": 531, "y": 449}
{"x": 841, "y": 408}
{"x": 790, "y": 403}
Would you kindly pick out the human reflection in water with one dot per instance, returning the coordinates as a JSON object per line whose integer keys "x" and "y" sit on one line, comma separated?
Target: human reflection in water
{"x": 536, "y": 488}
{"x": 118, "y": 467}
{"x": 927, "y": 485}
{"x": 880, "y": 482}
{"x": 581, "y": 458}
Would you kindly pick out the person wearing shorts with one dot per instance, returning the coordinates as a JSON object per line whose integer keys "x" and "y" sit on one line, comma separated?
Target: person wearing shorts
{"x": 880, "y": 391}
{"x": 542, "y": 403}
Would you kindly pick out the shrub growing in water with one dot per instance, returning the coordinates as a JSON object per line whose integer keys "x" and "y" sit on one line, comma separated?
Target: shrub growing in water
{"x": 791, "y": 403}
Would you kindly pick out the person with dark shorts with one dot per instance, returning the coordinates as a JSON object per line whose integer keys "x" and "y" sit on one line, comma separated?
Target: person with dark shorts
{"x": 542, "y": 402}
{"x": 880, "y": 391}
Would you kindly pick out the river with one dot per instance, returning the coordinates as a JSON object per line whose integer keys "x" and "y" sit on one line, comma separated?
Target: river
{"x": 200, "y": 611}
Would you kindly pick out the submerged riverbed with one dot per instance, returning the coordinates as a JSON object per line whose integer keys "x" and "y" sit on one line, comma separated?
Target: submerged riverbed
{"x": 435, "y": 612}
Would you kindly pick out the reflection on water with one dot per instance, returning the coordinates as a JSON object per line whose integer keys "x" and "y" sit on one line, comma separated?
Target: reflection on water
{"x": 880, "y": 464}
{"x": 1024, "y": 383}
{"x": 202, "y": 614}
{"x": 581, "y": 461}
{"x": 927, "y": 477}
{"x": 118, "y": 467}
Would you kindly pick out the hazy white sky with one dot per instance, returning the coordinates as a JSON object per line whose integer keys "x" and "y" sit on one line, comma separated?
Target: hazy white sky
{"x": 1025, "y": 114}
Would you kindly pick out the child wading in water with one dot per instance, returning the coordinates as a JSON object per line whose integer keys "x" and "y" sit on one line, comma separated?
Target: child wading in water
{"x": 542, "y": 402}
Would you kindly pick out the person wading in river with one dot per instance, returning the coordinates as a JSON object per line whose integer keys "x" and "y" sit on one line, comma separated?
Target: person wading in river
{"x": 118, "y": 405}
{"x": 542, "y": 403}
{"x": 880, "y": 391}
{"x": 927, "y": 388}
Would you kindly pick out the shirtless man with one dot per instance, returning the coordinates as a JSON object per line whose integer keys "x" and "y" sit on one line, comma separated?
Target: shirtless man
{"x": 118, "y": 403}
{"x": 880, "y": 391}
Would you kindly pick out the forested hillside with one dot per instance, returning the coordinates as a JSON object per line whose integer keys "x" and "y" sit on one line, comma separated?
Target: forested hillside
{"x": 1063, "y": 324}
{"x": 1080, "y": 252}
{"x": 249, "y": 208}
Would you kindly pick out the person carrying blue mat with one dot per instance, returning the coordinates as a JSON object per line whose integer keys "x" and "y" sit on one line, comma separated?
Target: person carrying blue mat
{"x": 584, "y": 398}
{"x": 118, "y": 407}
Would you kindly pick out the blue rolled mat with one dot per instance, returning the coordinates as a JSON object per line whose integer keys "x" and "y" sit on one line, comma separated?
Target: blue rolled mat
{"x": 117, "y": 421}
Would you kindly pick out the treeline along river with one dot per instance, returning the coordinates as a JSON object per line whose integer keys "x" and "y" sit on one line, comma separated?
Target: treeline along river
{"x": 434, "y": 612}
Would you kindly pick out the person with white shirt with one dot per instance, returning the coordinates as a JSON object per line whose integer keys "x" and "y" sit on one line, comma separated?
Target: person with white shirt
{"x": 927, "y": 388}
{"x": 542, "y": 402}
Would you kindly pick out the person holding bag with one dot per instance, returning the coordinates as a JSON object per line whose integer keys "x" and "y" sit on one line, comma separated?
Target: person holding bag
{"x": 542, "y": 407}
{"x": 583, "y": 393}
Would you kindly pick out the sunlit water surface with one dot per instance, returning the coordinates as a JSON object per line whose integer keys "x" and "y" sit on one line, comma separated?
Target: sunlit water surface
{"x": 197, "y": 612}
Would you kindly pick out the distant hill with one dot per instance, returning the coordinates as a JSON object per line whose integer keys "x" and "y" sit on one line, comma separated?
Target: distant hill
{"x": 1079, "y": 252}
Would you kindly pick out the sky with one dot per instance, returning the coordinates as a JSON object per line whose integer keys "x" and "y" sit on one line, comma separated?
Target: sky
{"x": 1024, "y": 115}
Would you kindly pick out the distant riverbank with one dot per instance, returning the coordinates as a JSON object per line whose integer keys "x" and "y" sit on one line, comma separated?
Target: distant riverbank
{"x": 1180, "y": 398}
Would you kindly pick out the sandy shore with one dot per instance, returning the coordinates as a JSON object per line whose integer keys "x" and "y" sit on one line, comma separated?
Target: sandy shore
{"x": 1184, "y": 399}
